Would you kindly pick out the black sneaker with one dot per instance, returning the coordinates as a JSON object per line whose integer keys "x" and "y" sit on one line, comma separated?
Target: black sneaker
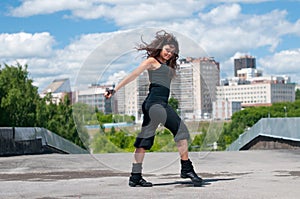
{"x": 139, "y": 182}
{"x": 197, "y": 181}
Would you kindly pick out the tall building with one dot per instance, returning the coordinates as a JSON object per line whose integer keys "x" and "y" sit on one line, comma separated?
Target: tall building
{"x": 129, "y": 99}
{"x": 244, "y": 62}
{"x": 195, "y": 86}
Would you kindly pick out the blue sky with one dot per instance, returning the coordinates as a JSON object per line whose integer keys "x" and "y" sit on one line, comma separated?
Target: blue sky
{"x": 57, "y": 38}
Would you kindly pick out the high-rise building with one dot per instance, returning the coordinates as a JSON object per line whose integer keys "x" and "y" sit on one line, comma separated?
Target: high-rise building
{"x": 129, "y": 99}
{"x": 195, "y": 86}
{"x": 244, "y": 62}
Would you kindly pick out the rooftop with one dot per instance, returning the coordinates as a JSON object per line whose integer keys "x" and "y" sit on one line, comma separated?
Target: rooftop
{"x": 238, "y": 174}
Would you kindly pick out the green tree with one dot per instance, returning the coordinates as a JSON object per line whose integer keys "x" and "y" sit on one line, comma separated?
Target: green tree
{"x": 18, "y": 97}
{"x": 298, "y": 94}
{"x": 174, "y": 103}
{"x": 59, "y": 119}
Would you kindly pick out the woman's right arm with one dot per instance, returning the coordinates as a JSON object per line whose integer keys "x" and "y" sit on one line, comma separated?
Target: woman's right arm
{"x": 147, "y": 64}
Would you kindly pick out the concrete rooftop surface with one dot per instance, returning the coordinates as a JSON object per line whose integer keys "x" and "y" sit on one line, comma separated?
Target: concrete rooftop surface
{"x": 239, "y": 174}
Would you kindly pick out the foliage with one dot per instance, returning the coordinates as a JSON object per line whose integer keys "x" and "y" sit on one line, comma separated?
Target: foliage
{"x": 174, "y": 103}
{"x": 197, "y": 143}
{"x": 122, "y": 141}
{"x": 58, "y": 118}
{"x": 18, "y": 98}
{"x": 101, "y": 144}
{"x": 163, "y": 142}
{"x": 298, "y": 94}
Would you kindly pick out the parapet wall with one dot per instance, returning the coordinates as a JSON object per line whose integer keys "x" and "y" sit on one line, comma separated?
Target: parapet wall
{"x": 33, "y": 140}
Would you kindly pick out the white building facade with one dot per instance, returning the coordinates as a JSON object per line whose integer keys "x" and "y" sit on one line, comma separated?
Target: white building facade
{"x": 195, "y": 87}
{"x": 260, "y": 91}
{"x": 93, "y": 96}
{"x": 224, "y": 109}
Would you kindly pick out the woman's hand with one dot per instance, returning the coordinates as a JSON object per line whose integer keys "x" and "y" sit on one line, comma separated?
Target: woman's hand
{"x": 109, "y": 93}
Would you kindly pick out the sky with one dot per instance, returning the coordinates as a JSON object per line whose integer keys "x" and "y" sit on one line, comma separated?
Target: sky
{"x": 91, "y": 41}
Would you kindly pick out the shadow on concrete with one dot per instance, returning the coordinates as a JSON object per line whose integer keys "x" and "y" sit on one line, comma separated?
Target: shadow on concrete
{"x": 190, "y": 184}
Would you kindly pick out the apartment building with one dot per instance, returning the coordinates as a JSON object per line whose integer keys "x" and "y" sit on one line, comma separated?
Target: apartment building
{"x": 94, "y": 96}
{"x": 129, "y": 99}
{"x": 195, "y": 86}
{"x": 224, "y": 109}
{"x": 259, "y": 91}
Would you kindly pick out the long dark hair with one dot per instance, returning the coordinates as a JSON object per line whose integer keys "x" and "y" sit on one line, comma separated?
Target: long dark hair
{"x": 153, "y": 49}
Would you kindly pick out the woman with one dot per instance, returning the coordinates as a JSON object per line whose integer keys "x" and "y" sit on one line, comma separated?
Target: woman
{"x": 162, "y": 54}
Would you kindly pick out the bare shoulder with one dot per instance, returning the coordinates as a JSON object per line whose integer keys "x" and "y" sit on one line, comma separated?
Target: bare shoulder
{"x": 152, "y": 63}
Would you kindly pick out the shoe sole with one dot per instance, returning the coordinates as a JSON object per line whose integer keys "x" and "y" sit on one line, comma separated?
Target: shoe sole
{"x": 132, "y": 184}
{"x": 195, "y": 183}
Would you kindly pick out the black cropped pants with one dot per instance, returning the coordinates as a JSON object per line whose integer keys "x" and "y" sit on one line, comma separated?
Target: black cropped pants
{"x": 157, "y": 111}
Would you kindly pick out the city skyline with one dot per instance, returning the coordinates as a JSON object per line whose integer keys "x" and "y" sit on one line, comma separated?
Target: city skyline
{"x": 56, "y": 38}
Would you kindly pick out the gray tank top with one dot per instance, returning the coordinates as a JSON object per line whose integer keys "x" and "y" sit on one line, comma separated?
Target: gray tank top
{"x": 162, "y": 76}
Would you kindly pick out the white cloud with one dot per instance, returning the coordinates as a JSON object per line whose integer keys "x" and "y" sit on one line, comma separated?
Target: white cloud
{"x": 20, "y": 45}
{"x": 116, "y": 77}
{"x": 222, "y": 31}
{"x": 44, "y": 62}
{"x": 122, "y": 12}
{"x": 286, "y": 62}
{"x": 36, "y": 7}
{"x": 222, "y": 14}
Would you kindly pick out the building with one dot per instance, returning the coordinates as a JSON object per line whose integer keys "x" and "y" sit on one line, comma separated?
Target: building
{"x": 195, "y": 86}
{"x": 248, "y": 73}
{"x": 259, "y": 91}
{"x": 270, "y": 133}
{"x": 58, "y": 89}
{"x": 224, "y": 109}
{"x": 129, "y": 99}
{"x": 244, "y": 62}
{"x": 94, "y": 96}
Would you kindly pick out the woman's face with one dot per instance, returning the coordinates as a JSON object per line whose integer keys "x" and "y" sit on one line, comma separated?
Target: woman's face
{"x": 167, "y": 52}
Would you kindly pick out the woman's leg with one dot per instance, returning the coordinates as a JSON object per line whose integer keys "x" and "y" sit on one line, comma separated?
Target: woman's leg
{"x": 136, "y": 173}
{"x": 187, "y": 169}
{"x": 181, "y": 136}
{"x": 139, "y": 155}
{"x": 182, "y": 146}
